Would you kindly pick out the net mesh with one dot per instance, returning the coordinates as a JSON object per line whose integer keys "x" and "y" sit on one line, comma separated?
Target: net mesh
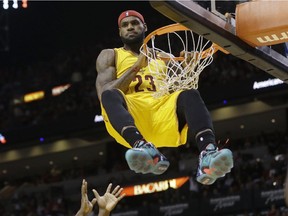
{"x": 186, "y": 55}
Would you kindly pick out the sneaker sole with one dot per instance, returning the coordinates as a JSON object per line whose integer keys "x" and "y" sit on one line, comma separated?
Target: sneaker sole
{"x": 161, "y": 167}
{"x": 220, "y": 165}
{"x": 141, "y": 162}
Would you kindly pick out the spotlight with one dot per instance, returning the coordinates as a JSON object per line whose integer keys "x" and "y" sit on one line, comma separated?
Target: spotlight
{"x": 15, "y": 4}
{"x": 5, "y": 4}
{"x": 2, "y": 139}
{"x": 24, "y": 3}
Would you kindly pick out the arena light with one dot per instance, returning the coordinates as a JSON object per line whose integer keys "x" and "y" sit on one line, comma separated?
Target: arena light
{"x": 5, "y": 4}
{"x": 34, "y": 96}
{"x": 2, "y": 139}
{"x": 15, "y": 4}
{"x": 57, "y": 90}
{"x": 17, "y": 100}
{"x": 24, "y": 3}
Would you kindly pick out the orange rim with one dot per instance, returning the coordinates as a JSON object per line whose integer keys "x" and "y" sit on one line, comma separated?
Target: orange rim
{"x": 178, "y": 27}
{"x": 165, "y": 29}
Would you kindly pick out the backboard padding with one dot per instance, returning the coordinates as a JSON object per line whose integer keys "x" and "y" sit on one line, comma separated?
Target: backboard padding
{"x": 213, "y": 28}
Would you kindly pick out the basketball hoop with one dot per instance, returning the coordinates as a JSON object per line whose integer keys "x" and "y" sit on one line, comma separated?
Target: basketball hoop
{"x": 185, "y": 53}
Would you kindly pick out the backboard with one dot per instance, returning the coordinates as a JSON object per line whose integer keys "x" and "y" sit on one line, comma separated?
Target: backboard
{"x": 208, "y": 18}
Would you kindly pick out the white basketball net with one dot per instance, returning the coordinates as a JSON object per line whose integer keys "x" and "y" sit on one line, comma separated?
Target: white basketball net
{"x": 179, "y": 74}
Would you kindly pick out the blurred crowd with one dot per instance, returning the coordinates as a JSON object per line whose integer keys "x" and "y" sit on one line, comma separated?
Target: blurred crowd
{"x": 260, "y": 164}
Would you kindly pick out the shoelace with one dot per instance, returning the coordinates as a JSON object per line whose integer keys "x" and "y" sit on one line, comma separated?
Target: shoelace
{"x": 208, "y": 152}
{"x": 139, "y": 143}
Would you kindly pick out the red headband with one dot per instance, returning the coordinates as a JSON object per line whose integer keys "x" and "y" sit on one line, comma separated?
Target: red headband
{"x": 130, "y": 13}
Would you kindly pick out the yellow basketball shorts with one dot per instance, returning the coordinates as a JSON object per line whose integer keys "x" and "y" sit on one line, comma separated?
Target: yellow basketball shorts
{"x": 156, "y": 119}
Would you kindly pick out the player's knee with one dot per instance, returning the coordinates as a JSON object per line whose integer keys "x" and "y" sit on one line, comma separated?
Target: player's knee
{"x": 191, "y": 93}
{"x": 109, "y": 96}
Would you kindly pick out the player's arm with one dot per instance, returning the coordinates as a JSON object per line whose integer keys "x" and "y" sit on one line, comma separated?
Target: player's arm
{"x": 86, "y": 205}
{"x": 107, "y": 78}
{"x": 109, "y": 200}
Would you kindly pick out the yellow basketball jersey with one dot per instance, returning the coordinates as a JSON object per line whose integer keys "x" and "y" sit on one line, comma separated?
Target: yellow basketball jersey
{"x": 155, "y": 118}
{"x": 144, "y": 82}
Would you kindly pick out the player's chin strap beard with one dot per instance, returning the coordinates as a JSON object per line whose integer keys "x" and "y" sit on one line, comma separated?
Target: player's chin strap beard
{"x": 137, "y": 40}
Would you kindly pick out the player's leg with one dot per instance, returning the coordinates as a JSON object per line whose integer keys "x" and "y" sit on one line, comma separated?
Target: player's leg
{"x": 119, "y": 117}
{"x": 143, "y": 157}
{"x": 213, "y": 163}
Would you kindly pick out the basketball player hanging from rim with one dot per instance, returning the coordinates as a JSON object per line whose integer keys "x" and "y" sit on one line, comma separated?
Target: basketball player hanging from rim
{"x": 143, "y": 123}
